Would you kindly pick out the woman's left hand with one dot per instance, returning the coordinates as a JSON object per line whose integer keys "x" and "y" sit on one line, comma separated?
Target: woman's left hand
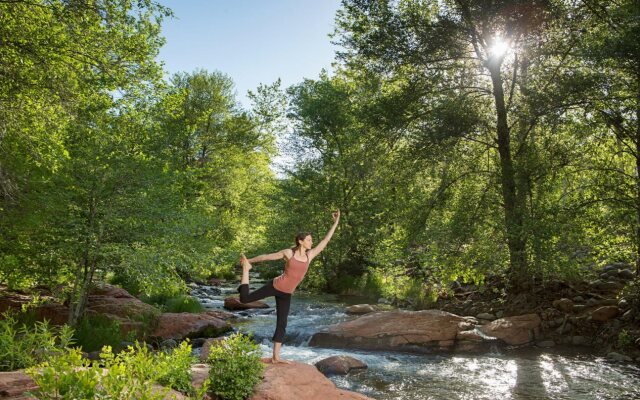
{"x": 336, "y": 214}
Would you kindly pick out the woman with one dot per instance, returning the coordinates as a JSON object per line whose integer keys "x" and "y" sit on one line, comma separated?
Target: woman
{"x": 297, "y": 259}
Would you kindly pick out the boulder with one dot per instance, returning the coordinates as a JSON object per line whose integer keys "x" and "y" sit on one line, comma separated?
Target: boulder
{"x": 580, "y": 341}
{"x": 14, "y": 384}
{"x": 223, "y": 315}
{"x": 626, "y": 274}
{"x": 299, "y": 381}
{"x": 486, "y": 316}
{"x": 516, "y": 330}
{"x": 604, "y": 314}
{"x": 233, "y": 303}
{"x": 184, "y": 325}
{"x": 565, "y": 305}
{"x": 360, "y": 309}
{"x": 339, "y": 365}
{"x": 618, "y": 357}
{"x": 417, "y": 331}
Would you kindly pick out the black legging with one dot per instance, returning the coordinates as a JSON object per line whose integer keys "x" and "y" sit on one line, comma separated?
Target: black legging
{"x": 283, "y": 303}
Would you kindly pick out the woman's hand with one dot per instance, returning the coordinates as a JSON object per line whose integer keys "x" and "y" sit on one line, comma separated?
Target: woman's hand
{"x": 336, "y": 215}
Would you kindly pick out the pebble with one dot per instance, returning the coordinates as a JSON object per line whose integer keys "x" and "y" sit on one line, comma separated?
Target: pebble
{"x": 546, "y": 343}
{"x": 618, "y": 357}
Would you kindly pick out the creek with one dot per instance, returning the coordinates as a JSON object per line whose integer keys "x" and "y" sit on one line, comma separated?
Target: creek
{"x": 528, "y": 373}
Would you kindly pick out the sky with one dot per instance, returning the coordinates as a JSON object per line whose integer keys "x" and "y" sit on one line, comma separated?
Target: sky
{"x": 252, "y": 41}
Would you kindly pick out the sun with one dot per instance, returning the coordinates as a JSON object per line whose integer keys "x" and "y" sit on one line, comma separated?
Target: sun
{"x": 499, "y": 47}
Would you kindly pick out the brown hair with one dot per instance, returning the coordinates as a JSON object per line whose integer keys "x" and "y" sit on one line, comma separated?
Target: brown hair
{"x": 299, "y": 236}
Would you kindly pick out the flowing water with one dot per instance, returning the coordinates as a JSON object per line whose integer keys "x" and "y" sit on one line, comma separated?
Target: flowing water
{"x": 499, "y": 374}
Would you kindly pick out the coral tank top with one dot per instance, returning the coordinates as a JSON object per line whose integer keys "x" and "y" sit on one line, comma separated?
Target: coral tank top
{"x": 294, "y": 271}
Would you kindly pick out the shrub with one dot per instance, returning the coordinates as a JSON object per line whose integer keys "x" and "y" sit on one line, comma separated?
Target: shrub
{"x": 235, "y": 367}
{"x": 183, "y": 303}
{"x": 94, "y": 332}
{"x": 175, "y": 368}
{"x": 22, "y": 346}
{"x": 126, "y": 376}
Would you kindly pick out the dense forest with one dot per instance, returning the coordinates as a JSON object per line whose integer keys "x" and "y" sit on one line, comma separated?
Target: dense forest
{"x": 462, "y": 141}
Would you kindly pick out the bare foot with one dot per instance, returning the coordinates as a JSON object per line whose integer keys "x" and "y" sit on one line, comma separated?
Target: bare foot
{"x": 246, "y": 265}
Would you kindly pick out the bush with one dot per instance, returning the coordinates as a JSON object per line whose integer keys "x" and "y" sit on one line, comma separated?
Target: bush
{"x": 183, "y": 303}
{"x": 235, "y": 367}
{"x": 94, "y": 332}
{"x": 128, "y": 375}
{"x": 22, "y": 346}
{"x": 174, "y": 302}
{"x": 175, "y": 368}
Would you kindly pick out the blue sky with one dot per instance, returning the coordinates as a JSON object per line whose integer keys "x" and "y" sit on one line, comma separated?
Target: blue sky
{"x": 252, "y": 41}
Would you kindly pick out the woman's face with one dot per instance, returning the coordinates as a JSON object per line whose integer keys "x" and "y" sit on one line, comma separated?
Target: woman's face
{"x": 307, "y": 242}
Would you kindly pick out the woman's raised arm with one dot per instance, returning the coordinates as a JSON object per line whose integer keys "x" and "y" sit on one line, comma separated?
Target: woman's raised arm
{"x": 323, "y": 243}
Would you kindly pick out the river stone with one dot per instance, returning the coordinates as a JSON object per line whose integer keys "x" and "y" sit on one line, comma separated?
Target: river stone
{"x": 419, "y": 331}
{"x": 604, "y": 314}
{"x": 546, "y": 344}
{"x": 618, "y": 357}
{"x": 626, "y": 274}
{"x": 615, "y": 266}
{"x": 14, "y": 384}
{"x": 627, "y": 315}
{"x": 299, "y": 381}
{"x": 487, "y": 316}
{"x": 339, "y": 365}
{"x": 184, "y": 325}
{"x": 578, "y": 308}
{"x": 472, "y": 336}
{"x": 565, "y": 328}
{"x": 593, "y": 302}
{"x": 360, "y": 309}
{"x": 565, "y": 305}
{"x": 623, "y": 304}
{"x": 516, "y": 330}
{"x": 609, "y": 302}
{"x": 580, "y": 341}
{"x": 609, "y": 286}
{"x": 578, "y": 299}
{"x": 233, "y": 303}
{"x": 169, "y": 344}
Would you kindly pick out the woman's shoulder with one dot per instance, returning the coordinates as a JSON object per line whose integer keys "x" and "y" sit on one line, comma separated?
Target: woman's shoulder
{"x": 288, "y": 253}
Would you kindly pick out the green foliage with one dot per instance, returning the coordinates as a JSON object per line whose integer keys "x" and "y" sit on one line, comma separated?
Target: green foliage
{"x": 175, "y": 304}
{"x": 23, "y": 346}
{"x": 127, "y": 375}
{"x": 95, "y": 331}
{"x": 235, "y": 367}
{"x": 175, "y": 368}
{"x": 624, "y": 339}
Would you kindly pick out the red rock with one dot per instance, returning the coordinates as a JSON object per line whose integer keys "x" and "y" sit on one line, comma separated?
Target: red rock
{"x": 420, "y": 331}
{"x": 223, "y": 315}
{"x": 187, "y": 325}
{"x": 14, "y": 384}
{"x": 340, "y": 365}
{"x": 299, "y": 381}
{"x": 563, "y": 304}
{"x": 233, "y": 303}
{"x": 359, "y": 309}
{"x": 517, "y": 330}
{"x": 604, "y": 314}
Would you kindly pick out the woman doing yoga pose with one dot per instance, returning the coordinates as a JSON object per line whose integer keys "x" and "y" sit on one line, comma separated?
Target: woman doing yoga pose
{"x": 297, "y": 259}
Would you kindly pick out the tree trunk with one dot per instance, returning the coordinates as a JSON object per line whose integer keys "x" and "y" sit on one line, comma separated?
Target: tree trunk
{"x": 638, "y": 183}
{"x": 512, "y": 212}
